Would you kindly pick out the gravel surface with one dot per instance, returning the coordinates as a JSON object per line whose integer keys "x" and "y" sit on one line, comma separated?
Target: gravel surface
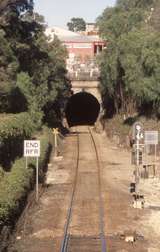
{"x": 44, "y": 223}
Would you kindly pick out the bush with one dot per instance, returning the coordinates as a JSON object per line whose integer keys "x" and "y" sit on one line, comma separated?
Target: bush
{"x": 13, "y": 186}
{"x": 123, "y": 129}
{"x": 14, "y": 128}
{"x": 1, "y": 173}
{"x": 16, "y": 184}
{"x": 15, "y": 125}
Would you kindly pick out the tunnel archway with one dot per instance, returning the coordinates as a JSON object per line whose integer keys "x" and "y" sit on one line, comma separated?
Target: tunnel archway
{"x": 82, "y": 109}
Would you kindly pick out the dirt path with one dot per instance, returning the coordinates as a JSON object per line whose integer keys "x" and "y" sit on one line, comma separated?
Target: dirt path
{"x": 44, "y": 224}
{"x": 121, "y": 217}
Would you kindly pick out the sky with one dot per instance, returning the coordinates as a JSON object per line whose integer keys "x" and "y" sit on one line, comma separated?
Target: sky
{"x": 59, "y": 12}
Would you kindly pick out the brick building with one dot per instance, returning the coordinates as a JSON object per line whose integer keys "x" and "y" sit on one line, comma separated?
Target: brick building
{"x": 83, "y": 47}
{"x": 80, "y": 47}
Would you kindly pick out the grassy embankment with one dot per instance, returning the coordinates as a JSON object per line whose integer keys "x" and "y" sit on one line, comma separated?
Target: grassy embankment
{"x": 120, "y": 130}
{"x": 15, "y": 180}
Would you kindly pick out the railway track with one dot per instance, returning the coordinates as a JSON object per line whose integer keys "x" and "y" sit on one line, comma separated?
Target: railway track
{"x": 65, "y": 241}
{"x": 78, "y": 243}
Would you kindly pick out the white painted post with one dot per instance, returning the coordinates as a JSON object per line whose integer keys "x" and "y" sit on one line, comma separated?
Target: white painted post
{"x": 137, "y": 152}
{"x": 37, "y": 180}
{"x": 55, "y": 132}
{"x": 155, "y": 160}
{"x": 55, "y": 140}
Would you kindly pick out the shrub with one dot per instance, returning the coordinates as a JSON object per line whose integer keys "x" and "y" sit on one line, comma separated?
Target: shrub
{"x": 14, "y": 128}
{"x": 16, "y": 184}
{"x": 15, "y": 125}
{"x": 1, "y": 173}
{"x": 13, "y": 186}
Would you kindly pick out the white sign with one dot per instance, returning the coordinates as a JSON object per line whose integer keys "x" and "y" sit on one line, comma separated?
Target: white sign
{"x": 151, "y": 137}
{"x": 31, "y": 148}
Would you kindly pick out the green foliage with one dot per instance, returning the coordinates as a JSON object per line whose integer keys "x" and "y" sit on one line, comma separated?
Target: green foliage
{"x": 19, "y": 5}
{"x": 130, "y": 65}
{"x": 1, "y": 173}
{"x": 76, "y": 24}
{"x": 32, "y": 77}
{"x": 13, "y": 130}
{"x": 155, "y": 17}
{"x": 120, "y": 130}
{"x": 132, "y": 4}
{"x": 32, "y": 69}
{"x": 32, "y": 80}
{"x": 15, "y": 184}
{"x": 8, "y": 68}
{"x": 25, "y": 85}
{"x": 14, "y": 125}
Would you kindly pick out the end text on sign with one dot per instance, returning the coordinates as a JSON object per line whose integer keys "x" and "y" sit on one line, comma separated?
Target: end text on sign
{"x": 31, "y": 148}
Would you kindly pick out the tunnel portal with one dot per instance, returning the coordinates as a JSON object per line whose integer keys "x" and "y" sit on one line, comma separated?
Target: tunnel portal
{"x": 82, "y": 109}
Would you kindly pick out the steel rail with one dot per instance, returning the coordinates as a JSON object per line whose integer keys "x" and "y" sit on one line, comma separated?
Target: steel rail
{"x": 101, "y": 205}
{"x": 66, "y": 236}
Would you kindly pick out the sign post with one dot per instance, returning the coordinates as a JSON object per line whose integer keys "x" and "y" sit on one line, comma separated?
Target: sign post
{"x": 37, "y": 181}
{"x": 32, "y": 149}
{"x": 55, "y": 133}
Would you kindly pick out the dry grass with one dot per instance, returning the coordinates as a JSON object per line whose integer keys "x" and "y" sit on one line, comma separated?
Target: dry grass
{"x": 121, "y": 130}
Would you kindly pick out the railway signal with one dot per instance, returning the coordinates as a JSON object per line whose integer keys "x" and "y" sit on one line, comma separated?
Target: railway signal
{"x": 138, "y": 136}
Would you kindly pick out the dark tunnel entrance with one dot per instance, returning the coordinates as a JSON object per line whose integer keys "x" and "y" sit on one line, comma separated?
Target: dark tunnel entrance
{"x": 82, "y": 109}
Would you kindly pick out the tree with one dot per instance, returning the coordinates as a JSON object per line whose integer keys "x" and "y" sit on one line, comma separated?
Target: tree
{"x": 77, "y": 24}
{"x": 130, "y": 65}
{"x": 32, "y": 70}
{"x": 130, "y": 5}
{"x": 22, "y": 4}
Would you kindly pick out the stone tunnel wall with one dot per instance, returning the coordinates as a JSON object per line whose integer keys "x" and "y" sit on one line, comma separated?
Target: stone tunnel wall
{"x": 91, "y": 87}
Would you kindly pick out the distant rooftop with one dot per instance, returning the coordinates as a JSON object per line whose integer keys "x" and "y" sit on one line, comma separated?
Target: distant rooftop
{"x": 69, "y": 36}
{"x": 60, "y": 32}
